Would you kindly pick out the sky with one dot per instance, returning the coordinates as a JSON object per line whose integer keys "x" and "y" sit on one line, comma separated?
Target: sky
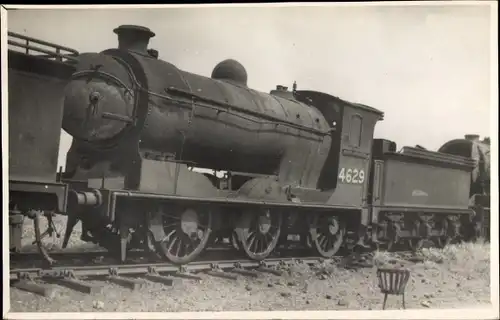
{"x": 427, "y": 67}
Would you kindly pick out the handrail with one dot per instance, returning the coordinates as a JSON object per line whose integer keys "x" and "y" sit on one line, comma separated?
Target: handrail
{"x": 61, "y": 53}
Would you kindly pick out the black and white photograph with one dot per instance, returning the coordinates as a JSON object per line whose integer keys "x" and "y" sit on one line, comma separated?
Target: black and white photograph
{"x": 264, "y": 161}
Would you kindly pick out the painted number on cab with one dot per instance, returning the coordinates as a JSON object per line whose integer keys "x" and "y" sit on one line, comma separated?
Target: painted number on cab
{"x": 352, "y": 175}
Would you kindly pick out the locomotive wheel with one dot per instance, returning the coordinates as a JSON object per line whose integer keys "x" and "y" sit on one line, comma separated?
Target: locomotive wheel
{"x": 187, "y": 235}
{"x": 419, "y": 239}
{"x": 394, "y": 230}
{"x": 259, "y": 233}
{"x": 235, "y": 242}
{"x": 417, "y": 242}
{"x": 449, "y": 234}
{"x": 327, "y": 234}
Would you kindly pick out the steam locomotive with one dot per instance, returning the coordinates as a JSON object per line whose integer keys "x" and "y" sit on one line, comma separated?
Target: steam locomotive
{"x": 291, "y": 162}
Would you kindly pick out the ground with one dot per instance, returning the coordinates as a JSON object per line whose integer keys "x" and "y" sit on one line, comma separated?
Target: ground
{"x": 456, "y": 276}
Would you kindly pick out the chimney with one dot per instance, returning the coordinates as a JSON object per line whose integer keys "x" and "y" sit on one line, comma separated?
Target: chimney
{"x": 472, "y": 137}
{"x": 134, "y": 38}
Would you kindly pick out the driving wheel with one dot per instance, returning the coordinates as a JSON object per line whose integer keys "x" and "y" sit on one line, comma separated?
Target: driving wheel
{"x": 327, "y": 234}
{"x": 187, "y": 234}
{"x": 258, "y": 233}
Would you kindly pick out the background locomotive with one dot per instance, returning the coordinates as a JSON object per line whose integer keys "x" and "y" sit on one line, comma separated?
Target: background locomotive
{"x": 293, "y": 162}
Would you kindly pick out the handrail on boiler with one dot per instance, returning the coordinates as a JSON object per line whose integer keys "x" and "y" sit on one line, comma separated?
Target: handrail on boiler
{"x": 61, "y": 53}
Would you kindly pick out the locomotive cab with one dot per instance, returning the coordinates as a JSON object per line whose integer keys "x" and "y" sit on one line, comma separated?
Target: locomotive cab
{"x": 351, "y": 129}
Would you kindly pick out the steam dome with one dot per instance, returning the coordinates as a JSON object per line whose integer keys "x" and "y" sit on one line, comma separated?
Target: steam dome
{"x": 230, "y": 70}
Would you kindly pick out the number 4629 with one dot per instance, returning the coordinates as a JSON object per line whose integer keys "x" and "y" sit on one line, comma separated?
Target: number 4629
{"x": 350, "y": 175}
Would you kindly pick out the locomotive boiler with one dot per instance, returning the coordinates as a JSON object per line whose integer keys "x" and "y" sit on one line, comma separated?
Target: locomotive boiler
{"x": 217, "y": 123}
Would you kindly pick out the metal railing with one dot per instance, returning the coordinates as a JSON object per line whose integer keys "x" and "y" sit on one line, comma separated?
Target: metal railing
{"x": 30, "y": 46}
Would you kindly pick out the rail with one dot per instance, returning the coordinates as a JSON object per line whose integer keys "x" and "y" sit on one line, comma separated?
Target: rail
{"x": 29, "y": 45}
{"x": 103, "y": 270}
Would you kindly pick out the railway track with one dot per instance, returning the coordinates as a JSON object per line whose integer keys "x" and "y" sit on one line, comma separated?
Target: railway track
{"x": 62, "y": 258}
{"x": 137, "y": 273}
{"x": 88, "y": 271}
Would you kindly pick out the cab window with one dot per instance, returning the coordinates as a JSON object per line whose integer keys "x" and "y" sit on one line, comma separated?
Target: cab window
{"x": 356, "y": 127}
